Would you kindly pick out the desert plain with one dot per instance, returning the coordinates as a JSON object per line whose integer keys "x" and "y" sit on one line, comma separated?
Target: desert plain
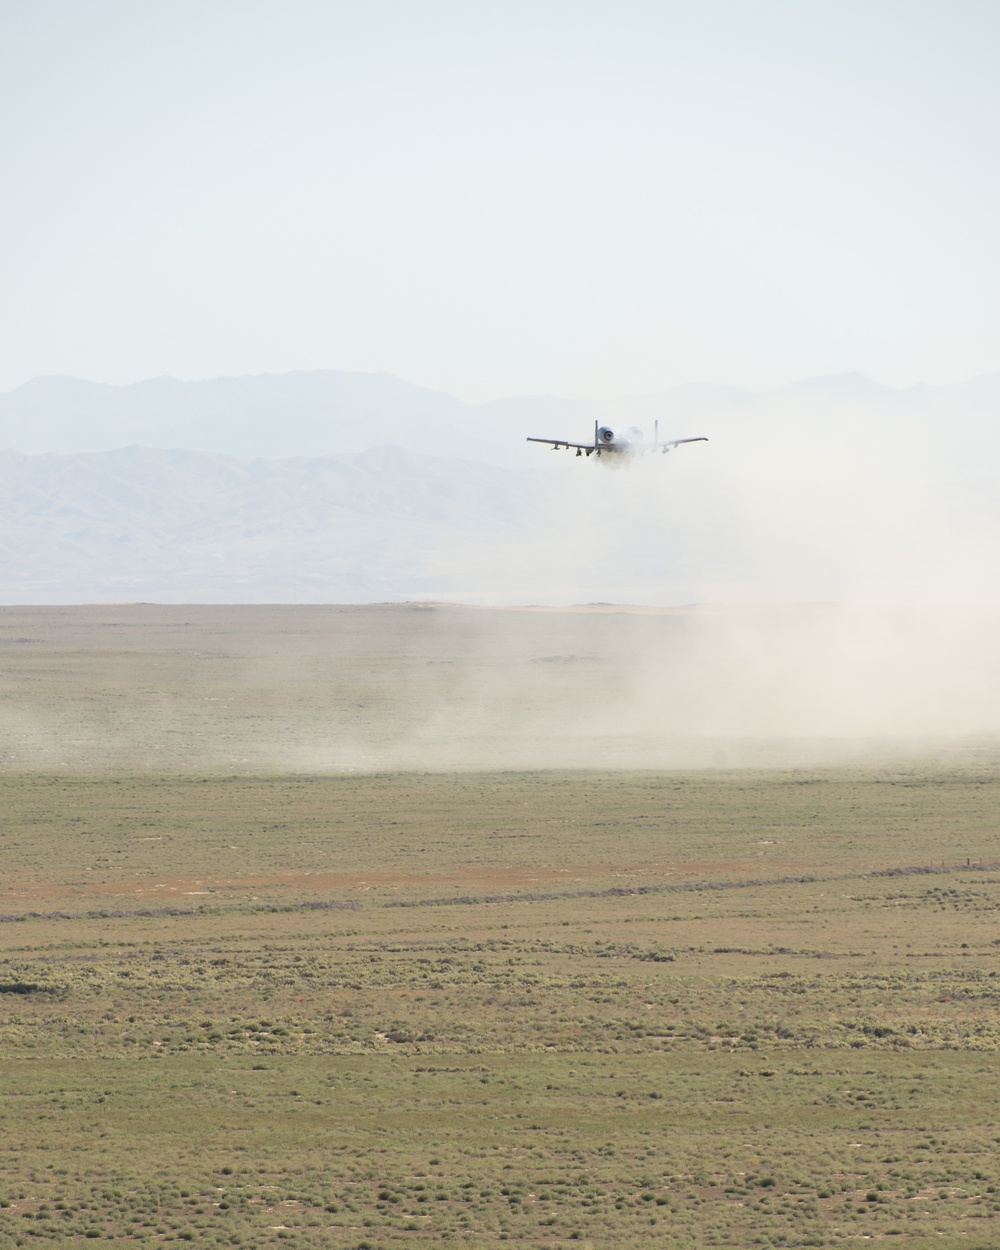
{"x": 396, "y": 925}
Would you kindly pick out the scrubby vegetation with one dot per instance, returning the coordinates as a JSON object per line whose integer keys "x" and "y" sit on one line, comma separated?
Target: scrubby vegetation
{"x": 711, "y": 1010}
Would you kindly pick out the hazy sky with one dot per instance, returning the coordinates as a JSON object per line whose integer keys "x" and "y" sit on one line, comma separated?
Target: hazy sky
{"x": 585, "y": 197}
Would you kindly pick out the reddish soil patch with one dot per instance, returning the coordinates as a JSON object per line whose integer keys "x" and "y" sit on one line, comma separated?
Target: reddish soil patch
{"x": 480, "y": 878}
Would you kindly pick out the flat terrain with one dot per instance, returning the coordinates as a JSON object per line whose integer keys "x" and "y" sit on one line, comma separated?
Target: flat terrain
{"x": 302, "y": 1005}
{"x": 412, "y": 687}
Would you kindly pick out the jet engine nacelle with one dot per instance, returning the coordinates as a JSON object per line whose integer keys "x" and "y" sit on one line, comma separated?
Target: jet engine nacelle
{"x": 605, "y": 434}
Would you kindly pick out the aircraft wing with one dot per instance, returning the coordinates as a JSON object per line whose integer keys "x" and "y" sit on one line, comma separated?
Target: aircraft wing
{"x": 561, "y": 442}
{"x": 623, "y": 446}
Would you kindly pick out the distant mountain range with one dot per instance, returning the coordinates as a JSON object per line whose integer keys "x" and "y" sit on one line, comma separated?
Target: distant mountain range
{"x": 283, "y": 489}
{"x": 142, "y": 523}
{"x": 328, "y": 412}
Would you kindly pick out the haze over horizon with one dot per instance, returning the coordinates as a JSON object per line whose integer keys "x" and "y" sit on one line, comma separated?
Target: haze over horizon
{"x": 579, "y": 200}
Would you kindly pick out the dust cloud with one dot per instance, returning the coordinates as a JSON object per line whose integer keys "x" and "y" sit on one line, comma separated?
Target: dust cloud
{"x": 313, "y": 689}
{"x": 828, "y": 579}
{"x": 706, "y": 687}
{"x": 795, "y": 591}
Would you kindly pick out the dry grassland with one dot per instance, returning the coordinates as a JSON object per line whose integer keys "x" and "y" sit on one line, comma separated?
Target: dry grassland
{"x": 555, "y": 1007}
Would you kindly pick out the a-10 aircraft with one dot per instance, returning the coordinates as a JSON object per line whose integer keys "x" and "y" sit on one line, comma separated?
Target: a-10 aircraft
{"x": 632, "y": 442}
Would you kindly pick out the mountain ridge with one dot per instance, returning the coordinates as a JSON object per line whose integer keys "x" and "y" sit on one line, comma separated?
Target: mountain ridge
{"x": 321, "y": 412}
